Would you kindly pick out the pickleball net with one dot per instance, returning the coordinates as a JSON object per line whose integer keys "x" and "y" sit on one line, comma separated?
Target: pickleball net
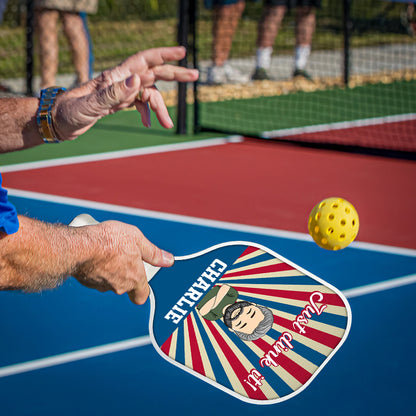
{"x": 363, "y": 88}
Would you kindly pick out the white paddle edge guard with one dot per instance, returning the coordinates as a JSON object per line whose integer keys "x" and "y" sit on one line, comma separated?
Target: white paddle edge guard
{"x": 213, "y": 382}
{"x": 83, "y": 220}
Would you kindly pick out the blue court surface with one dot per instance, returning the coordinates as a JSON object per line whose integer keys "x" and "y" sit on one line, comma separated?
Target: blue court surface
{"x": 74, "y": 351}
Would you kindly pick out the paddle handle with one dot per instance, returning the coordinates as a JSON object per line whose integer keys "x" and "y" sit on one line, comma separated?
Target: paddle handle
{"x": 86, "y": 219}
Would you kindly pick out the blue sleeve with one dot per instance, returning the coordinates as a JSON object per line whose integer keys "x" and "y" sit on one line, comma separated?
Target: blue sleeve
{"x": 9, "y": 222}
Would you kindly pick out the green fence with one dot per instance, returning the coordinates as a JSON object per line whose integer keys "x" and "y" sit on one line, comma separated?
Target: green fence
{"x": 362, "y": 63}
{"x": 361, "y": 71}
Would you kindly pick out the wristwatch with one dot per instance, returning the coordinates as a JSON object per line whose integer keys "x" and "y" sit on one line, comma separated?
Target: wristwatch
{"x": 44, "y": 118}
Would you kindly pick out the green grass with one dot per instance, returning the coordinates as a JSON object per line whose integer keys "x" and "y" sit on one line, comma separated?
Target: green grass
{"x": 12, "y": 52}
{"x": 112, "y": 42}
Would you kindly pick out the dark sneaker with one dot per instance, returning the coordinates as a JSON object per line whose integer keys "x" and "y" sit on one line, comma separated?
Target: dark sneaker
{"x": 4, "y": 88}
{"x": 303, "y": 74}
{"x": 260, "y": 74}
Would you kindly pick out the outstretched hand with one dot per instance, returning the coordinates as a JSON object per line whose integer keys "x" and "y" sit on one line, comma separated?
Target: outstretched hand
{"x": 130, "y": 83}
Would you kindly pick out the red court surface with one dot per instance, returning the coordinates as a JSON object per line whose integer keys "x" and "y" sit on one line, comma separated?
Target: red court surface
{"x": 371, "y": 136}
{"x": 255, "y": 183}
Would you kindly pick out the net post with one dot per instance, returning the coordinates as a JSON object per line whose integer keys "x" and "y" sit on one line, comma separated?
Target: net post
{"x": 193, "y": 19}
{"x": 347, "y": 28}
{"x": 183, "y": 30}
{"x": 29, "y": 46}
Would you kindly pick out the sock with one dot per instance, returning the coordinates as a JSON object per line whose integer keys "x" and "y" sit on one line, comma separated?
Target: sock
{"x": 301, "y": 56}
{"x": 264, "y": 57}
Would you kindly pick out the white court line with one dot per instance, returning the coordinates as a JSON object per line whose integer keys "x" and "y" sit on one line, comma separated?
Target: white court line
{"x": 380, "y": 286}
{"x": 124, "y": 345}
{"x": 337, "y": 126}
{"x": 74, "y": 356}
{"x": 199, "y": 221}
{"x": 197, "y": 144}
{"x": 59, "y": 359}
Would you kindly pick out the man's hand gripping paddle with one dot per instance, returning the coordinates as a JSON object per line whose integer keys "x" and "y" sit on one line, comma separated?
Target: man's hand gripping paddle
{"x": 244, "y": 319}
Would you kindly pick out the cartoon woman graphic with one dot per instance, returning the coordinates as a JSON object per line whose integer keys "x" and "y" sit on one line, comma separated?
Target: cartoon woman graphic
{"x": 247, "y": 320}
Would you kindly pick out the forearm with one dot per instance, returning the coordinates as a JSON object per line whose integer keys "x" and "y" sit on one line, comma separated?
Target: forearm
{"x": 221, "y": 295}
{"x": 18, "y": 124}
{"x": 41, "y": 256}
{"x": 107, "y": 256}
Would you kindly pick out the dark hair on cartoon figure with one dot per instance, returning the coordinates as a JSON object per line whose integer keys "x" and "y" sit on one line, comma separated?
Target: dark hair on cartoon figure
{"x": 261, "y": 329}
{"x": 230, "y": 310}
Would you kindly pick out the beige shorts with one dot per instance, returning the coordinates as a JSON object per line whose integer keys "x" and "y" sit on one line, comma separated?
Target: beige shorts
{"x": 87, "y": 6}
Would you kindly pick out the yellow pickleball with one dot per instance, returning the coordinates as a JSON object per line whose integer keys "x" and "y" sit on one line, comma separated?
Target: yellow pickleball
{"x": 333, "y": 223}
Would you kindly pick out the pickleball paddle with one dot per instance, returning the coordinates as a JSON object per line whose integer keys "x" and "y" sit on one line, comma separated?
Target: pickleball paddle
{"x": 244, "y": 319}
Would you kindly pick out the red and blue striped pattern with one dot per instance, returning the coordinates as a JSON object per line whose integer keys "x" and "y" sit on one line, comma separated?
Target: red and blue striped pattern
{"x": 209, "y": 349}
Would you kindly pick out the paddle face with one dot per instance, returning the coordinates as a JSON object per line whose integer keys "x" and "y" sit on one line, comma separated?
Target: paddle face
{"x": 247, "y": 321}
{"x": 244, "y": 319}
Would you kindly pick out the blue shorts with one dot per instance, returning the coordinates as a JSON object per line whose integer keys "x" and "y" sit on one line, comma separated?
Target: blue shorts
{"x": 9, "y": 223}
{"x": 209, "y": 4}
{"x": 293, "y": 3}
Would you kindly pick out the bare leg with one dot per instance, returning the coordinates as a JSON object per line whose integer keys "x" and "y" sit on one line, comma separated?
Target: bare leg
{"x": 75, "y": 32}
{"x": 269, "y": 25}
{"x": 225, "y": 21}
{"x": 268, "y": 28}
{"x": 305, "y": 29}
{"x": 305, "y": 25}
{"x": 408, "y": 20}
{"x": 46, "y": 21}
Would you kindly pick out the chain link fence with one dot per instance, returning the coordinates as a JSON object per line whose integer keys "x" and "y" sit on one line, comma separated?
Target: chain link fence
{"x": 360, "y": 70}
{"x": 117, "y": 29}
{"x": 362, "y": 61}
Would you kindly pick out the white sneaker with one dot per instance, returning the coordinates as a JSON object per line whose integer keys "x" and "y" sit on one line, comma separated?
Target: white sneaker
{"x": 225, "y": 75}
